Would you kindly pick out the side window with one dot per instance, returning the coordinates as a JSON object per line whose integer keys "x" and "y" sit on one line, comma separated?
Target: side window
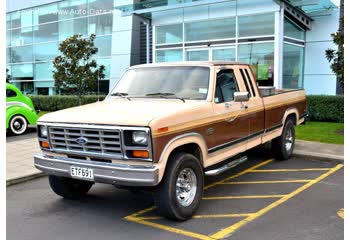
{"x": 10, "y": 93}
{"x": 246, "y": 82}
{"x": 226, "y": 86}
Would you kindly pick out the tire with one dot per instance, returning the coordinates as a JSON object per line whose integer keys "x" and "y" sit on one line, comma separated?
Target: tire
{"x": 182, "y": 167}
{"x": 68, "y": 187}
{"x": 18, "y": 125}
{"x": 283, "y": 146}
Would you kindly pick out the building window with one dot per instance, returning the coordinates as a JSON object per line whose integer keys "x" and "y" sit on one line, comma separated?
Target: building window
{"x": 169, "y": 34}
{"x": 211, "y": 29}
{"x": 43, "y": 71}
{"x": 293, "y": 62}
{"x": 8, "y": 55}
{"x": 44, "y": 14}
{"x": 292, "y": 30}
{"x": 197, "y": 55}
{"x": 72, "y": 9}
{"x": 256, "y": 25}
{"x": 8, "y": 21}
{"x": 46, "y": 32}
{"x": 224, "y": 54}
{"x": 107, "y": 63}
{"x": 260, "y": 56}
{"x": 100, "y": 6}
{"x": 45, "y": 51}
{"x": 21, "y": 19}
{"x": 8, "y": 38}
{"x": 22, "y": 72}
{"x": 22, "y": 54}
{"x": 104, "y": 46}
{"x": 170, "y": 55}
{"x": 71, "y": 27}
{"x": 101, "y": 24}
{"x": 22, "y": 36}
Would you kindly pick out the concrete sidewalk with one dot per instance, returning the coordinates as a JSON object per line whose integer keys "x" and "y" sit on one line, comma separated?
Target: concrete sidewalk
{"x": 20, "y": 151}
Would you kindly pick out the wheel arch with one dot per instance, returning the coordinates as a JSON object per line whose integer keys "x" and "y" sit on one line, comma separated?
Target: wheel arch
{"x": 192, "y": 143}
{"x": 291, "y": 113}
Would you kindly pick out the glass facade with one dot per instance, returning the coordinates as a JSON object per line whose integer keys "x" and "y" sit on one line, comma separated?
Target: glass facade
{"x": 33, "y": 37}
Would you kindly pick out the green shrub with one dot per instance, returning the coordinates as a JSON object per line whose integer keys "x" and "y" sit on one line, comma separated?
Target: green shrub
{"x": 59, "y": 102}
{"x": 325, "y": 108}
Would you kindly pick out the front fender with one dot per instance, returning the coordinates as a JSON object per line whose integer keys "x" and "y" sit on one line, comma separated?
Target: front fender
{"x": 178, "y": 141}
{"x": 28, "y": 113}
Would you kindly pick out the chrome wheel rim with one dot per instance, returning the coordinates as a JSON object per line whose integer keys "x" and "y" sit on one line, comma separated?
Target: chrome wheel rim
{"x": 289, "y": 140}
{"x": 186, "y": 187}
{"x": 18, "y": 125}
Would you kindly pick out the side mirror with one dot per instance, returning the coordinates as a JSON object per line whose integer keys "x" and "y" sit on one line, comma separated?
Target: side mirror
{"x": 241, "y": 96}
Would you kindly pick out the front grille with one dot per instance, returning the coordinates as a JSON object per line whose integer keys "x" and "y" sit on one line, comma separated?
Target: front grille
{"x": 100, "y": 142}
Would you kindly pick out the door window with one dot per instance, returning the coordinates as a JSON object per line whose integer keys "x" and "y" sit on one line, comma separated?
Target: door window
{"x": 226, "y": 86}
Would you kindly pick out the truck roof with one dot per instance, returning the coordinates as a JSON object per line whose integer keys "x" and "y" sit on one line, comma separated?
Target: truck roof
{"x": 189, "y": 63}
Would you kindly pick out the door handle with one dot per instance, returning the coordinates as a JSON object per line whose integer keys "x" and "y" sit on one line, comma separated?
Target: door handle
{"x": 230, "y": 120}
{"x": 243, "y": 106}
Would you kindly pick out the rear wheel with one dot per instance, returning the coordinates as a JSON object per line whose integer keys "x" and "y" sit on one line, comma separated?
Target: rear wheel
{"x": 283, "y": 146}
{"x": 18, "y": 125}
{"x": 69, "y": 187}
{"x": 179, "y": 194}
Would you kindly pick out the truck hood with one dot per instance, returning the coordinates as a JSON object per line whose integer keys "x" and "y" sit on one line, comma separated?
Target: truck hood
{"x": 118, "y": 111}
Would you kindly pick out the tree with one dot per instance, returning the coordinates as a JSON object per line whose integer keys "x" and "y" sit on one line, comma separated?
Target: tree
{"x": 8, "y": 76}
{"x": 75, "y": 71}
{"x": 336, "y": 57}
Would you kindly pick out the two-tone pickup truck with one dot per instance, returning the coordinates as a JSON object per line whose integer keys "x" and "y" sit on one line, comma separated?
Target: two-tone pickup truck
{"x": 164, "y": 127}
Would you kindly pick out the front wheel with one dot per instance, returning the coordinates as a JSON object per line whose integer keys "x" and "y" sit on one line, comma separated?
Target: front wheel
{"x": 283, "y": 146}
{"x": 18, "y": 125}
{"x": 68, "y": 187}
{"x": 179, "y": 194}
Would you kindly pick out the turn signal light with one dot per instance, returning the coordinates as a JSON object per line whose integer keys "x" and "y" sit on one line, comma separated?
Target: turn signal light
{"x": 163, "y": 129}
{"x": 44, "y": 144}
{"x": 140, "y": 153}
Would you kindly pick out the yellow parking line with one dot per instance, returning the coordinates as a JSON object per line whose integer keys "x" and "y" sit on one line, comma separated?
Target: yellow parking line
{"x": 205, "y": 216}
{"x": 234, "y": 227}
{"x": 169, "y": 229}
{"x": 267, "y": 182}
{"x": 291, "y": 170}
{"x": 238, "y": 174}
{"x": 242, "y": 197}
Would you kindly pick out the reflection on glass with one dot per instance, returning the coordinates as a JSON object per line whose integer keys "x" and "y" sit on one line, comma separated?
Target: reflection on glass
{"x": 211, "y": 29}
{"x": 46, "y": 32}
{"x": 224, "y": 54}
{"x": 169, "y": 34}
{"x": 45, "y": 52}
{"x": 72, "y": 8}
{"x": 101, "y": 24}
{"x": 43, "y": 71}
{"x": 71, "y": 27}
{"x": 46, "y": 13}
{"x": 173, "y": 55}
{"x": 107, "y": 63}
{"x": 22, "y": 54}
{"x": 22, "y": 36}
{"x": 197, "y": 55}
{"x": 293, "y": 62}
{"x": 291, "y": 30}
{"x": 104, "y": 45}
{"x": 260, "y": 56}
{"x": 22, "y": 72}
{"x": 256, "y": 25}
{"x": 100, "y": 6}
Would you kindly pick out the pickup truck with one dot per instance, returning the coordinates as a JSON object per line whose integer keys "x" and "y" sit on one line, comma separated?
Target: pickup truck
{"x": 163, "y": 127}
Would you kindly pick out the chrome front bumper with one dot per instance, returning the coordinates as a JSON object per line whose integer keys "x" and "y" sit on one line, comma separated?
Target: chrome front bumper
{"x": 110, "y": 173}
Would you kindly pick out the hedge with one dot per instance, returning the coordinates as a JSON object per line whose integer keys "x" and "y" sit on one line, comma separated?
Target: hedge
{"x": 59, "y": 102}
{"x": 320, "y": 107}
{"x": 325, "y": 108}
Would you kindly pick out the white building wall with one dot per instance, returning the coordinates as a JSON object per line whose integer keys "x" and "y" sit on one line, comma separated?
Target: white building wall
{"x": 318, "y": 76}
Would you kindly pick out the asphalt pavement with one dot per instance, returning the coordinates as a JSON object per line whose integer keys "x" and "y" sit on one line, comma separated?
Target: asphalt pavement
{"x": 260, "y": 199}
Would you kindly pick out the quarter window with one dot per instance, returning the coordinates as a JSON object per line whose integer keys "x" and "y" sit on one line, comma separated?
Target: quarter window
{"x": 226, "y": 86}
{"x": 10, "y": 93}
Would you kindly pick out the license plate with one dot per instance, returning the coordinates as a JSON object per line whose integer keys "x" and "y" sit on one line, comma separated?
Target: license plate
{"x": 80, "y": 172}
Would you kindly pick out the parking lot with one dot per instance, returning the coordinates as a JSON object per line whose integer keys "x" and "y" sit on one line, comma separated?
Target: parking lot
{"x": 260, "y": 199}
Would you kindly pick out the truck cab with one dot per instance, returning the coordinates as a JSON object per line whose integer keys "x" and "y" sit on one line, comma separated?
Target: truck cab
{"x": 164, "y": 127}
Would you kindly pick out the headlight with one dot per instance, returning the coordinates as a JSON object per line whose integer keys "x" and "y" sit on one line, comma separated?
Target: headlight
{"x": 43, "y": 131}
{"x": 140, "y": 138}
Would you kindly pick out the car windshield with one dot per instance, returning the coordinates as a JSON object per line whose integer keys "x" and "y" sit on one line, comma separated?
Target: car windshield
{"x": 186, "y": 82}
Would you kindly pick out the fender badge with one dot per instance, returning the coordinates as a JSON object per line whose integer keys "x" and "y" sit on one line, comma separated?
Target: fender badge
{"x": 210, "y": 131}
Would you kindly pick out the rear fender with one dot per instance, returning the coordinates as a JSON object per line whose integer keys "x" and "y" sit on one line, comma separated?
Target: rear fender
{"x": 28, "y": 113}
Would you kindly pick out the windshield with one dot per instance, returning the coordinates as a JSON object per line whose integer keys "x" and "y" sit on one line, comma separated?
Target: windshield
{"x": 186, "y": 82}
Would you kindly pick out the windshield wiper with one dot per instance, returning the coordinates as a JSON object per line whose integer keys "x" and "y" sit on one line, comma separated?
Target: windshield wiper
{"x": 166, "y": 95}
{"x": 121, "y": 94}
